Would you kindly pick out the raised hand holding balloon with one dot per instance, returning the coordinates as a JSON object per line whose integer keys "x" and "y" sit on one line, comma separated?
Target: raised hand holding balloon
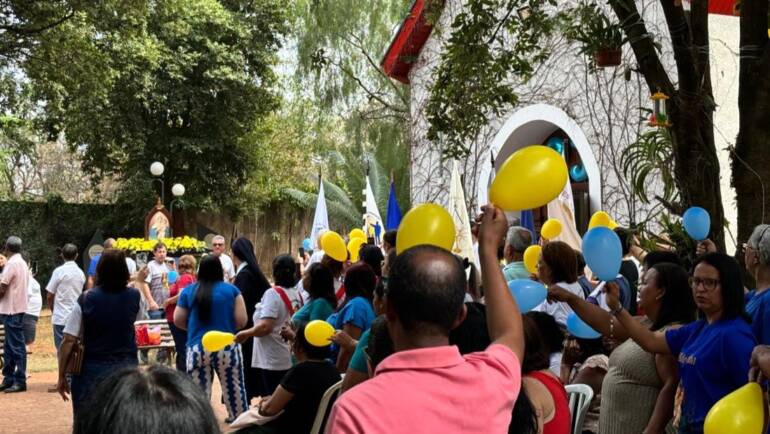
{"x": 697, "y": 223}
{"x": 529, "y": 179}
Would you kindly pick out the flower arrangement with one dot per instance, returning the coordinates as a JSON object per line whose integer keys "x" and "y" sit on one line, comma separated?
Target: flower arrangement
{"x": 175, "y": 245}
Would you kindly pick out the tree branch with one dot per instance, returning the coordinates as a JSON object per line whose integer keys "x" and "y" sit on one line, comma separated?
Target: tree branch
{"x": 681, "y": 41}
{"x": 30, "y": 31}
{"x": 641, "y": 42}
{"x": 376, "y": 67}
{"x": 371, "y": 94}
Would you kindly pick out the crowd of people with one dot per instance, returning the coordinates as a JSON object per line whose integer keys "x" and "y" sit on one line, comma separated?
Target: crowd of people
{"x": 424, "y": 342}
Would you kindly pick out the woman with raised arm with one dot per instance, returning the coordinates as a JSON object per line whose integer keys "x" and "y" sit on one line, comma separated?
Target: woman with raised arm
{"x": 639, "y": 387}
{"x": 713, "y": 352}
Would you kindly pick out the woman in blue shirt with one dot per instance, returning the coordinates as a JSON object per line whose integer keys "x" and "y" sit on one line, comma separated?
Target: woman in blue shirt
{"x": 757, "y": 259}
{"x": 713, "y": 352}
{"x": 356, "y": 313}
{"x": 213, "y": 305}
{"x": 320, "y": 284}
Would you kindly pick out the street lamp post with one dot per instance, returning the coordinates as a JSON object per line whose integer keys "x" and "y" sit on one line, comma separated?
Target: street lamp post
{"x": 178, "y": 191}
{"x": 156, "y": 169}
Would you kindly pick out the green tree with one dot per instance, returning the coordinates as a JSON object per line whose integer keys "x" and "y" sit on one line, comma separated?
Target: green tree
{"x": 178, "y": 81}
{"x": 339, "y": 44}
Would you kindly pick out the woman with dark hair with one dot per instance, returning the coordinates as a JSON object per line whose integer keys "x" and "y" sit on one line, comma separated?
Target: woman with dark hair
{"x": 320, "y": 286}
{"x": 372, "y": 256}
{"x": 639, "y": 387}
{"x": 271, "y": 355}
{"x": 558, "y": 266}
{"x": 252, "y": 283}
{"x": 713, "y": 352}
{"x": 356, "y": 313}
{"x": 104, "y": 316}
{"x": 338, "y": 270}
{"x": 542, "y": 408}
{"x": 157, "y": 399}
{"x": 299, "y": 392}
{"x": 214, "y": 305}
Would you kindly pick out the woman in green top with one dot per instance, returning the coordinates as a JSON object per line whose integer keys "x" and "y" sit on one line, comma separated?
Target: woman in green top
{"x": 319, "y": 282}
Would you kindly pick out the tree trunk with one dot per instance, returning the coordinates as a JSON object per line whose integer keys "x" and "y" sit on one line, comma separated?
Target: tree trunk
{"x": 750, "y": 165}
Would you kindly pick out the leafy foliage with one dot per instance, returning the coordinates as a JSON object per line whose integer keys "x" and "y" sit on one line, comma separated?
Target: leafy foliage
{"x": 593, "y": 29}
{"x": 182, "y": 82}
{"x": 483, "y": 53}
{"x": 669, "y": 234}
{"x": 650, "y": 157}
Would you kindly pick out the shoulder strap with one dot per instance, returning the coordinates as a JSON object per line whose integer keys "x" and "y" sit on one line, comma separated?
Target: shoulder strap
{"x": 340, "y": 292}
{"x": 285, "y": 299}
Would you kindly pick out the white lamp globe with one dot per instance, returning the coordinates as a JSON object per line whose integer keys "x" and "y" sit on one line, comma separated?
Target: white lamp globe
{"x": 156, "y": 168}
{"x": 177, "y": 190}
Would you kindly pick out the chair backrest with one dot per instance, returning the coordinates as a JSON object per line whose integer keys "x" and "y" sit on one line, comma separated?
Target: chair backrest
{"x": 324, "y": 408}
{"x": 580, "y": 396}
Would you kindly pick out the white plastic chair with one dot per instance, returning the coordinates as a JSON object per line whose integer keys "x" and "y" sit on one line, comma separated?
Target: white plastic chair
{"x": 324, "y": 407}
{"x": 580, "y": 396}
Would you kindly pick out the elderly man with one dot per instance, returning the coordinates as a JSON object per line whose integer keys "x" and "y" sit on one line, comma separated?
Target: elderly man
{"x": 516, "y": 242}
{"x": 218, "y": 249}
{"x": 13, "y": 304}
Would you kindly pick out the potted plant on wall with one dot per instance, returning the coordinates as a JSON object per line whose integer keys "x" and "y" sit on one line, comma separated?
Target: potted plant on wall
{"x": 597, "y": 35}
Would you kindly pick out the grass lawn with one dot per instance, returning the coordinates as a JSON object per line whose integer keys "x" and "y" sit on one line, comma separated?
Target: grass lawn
{"x": 43, "y": 357}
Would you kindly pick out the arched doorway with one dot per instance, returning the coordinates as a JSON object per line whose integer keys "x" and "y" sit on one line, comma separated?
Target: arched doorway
{"x": 536, "y": 124}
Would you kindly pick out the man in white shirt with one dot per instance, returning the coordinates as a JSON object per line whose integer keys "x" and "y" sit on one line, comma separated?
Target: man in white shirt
{"x": 63, "y": 289}
{"x": 218, "y": 250}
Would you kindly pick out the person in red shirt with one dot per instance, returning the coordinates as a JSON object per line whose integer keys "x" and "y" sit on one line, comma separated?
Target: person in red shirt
{"x": 186, "y": 278}
{"x": 427, "y": 386}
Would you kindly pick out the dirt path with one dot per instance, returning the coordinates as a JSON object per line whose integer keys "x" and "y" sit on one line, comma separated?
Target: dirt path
{"x": 37, "y": 411}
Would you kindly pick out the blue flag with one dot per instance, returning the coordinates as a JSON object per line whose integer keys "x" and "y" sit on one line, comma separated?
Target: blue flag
{"x": 528, "y": 221}
{"x": 394, "y": 213}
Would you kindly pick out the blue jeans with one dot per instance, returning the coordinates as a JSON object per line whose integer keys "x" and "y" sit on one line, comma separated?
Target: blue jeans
{"x": 14, "y": 350}
{"x": 58, "y": 336}
{"x": 91, "y": 374}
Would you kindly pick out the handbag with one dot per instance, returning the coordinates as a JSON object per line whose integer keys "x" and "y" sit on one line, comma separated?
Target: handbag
{"x": 75, "y": 360}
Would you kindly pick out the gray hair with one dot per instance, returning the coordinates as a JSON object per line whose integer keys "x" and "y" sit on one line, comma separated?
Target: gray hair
{"x": 13, "y": 244}
{"x": 109, "y": 243}
{"x": 218, "y": 238}
{"x": 519, "y": 238}
{"x": 760, "y": 241}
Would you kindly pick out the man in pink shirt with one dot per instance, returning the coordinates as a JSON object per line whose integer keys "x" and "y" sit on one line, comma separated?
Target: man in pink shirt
{"x": 427, "y": 386}
{"x": 13, "y": 304}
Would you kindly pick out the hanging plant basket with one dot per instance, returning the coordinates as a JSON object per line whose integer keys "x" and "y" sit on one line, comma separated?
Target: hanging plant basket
{"x": 608, "y": 57}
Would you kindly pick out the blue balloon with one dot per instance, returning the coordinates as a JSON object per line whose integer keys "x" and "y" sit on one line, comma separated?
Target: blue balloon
{"x": 602, "y": 252}
{"x": 576, "y": 327}
{"x": 307, "y": 244}
{"x": 172, "y": 276}
{"x": 528, "y": 293}
{"x": 556, "y": 143}
{"x": 578, "y": 173}
{"x": 697, "y": 223}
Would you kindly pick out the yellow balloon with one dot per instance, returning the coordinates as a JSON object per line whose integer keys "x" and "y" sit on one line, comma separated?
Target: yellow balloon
{"x": 214, "y": 341}
{"x": 740, "y": 412}
{"x": 530, "y": 178}
{"x": 613, "y": 224}
{"x": 333, "y": 245}
{"x": 600, "y": 218}
{"x": 319, "y": 333}
{"x": 357, "y": 233}
{"x": 354, "y": 246}
{"x": 531, "y": 256}
{"x": 426, "y": 223}
{"x": 551, "y": 229}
